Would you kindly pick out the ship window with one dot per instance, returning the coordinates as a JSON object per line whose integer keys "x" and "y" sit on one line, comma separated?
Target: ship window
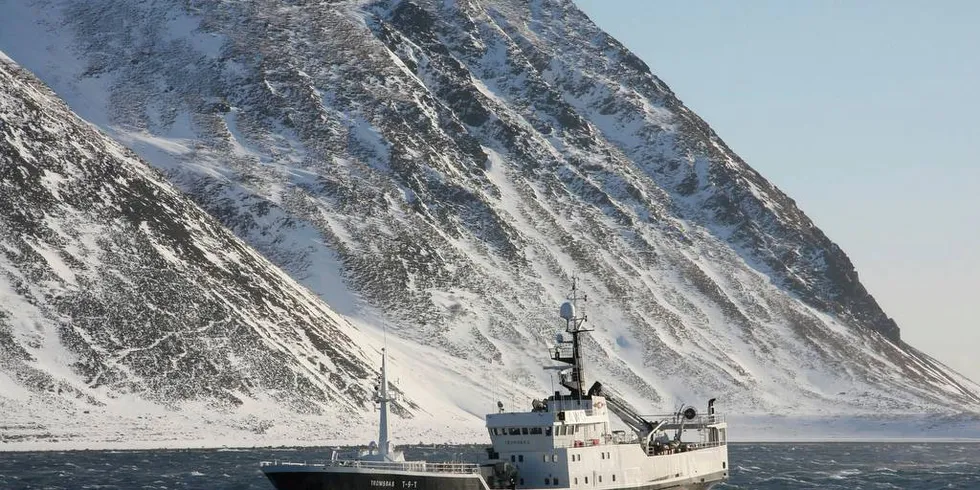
{"x": 602, "y": 455}
{"x": 547, "y": 481}
{"x": 554, "y": 458}
{"x": 536, "y": 430}
{"x": 514, "y": 431}
{"x": 520, "y": 458}
{"x": 513, "y": 458}
{"x": 576, "y": 480}
{"x": 545, "y": 458}
{"x": 600, "y": 478}
{"x": 524, "y": 430}
{"x": 547, "y": 431}
{"x": 614, "y": 477}
{"x": 586, "y": 480}
{"x": 522, "y": 482}
{"x": 555, "y": 481}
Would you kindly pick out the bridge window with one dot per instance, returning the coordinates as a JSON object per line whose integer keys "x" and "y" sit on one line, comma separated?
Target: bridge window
{"x": 513, "y": 459}
{"x": 554, "y": 458}
{"x": 545, "y": 458}
{"x": 520, "y": 458}
{"x": 547, "y": 481}
{"x": 536, "y": 431}
{"x": 514, "y": 431}
{"x": 555, "y": 481}
{"x": 547, "y": 431}
{"x": 524, "y": 430}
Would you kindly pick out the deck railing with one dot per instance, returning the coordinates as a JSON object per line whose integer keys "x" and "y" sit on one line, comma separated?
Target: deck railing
{"x": 458, "y": 468}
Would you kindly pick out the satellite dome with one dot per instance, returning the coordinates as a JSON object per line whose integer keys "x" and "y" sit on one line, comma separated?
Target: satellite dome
{"x": 567, "y": 311}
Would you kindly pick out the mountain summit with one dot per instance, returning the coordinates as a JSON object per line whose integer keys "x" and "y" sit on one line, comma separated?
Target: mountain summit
{"x": 447, "y": 167}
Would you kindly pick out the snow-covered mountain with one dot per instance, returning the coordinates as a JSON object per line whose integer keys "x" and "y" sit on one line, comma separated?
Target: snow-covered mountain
{"x": 115, "y": 288}
{"x": 447, "y": 167}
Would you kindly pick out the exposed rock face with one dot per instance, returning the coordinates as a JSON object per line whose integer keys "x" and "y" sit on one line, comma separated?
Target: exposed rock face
{"x": 113, "y": 283}
{"x": 458, "y": 162}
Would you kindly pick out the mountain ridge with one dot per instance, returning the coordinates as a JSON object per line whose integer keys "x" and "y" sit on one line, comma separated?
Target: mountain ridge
{"x": 446, "y": 168}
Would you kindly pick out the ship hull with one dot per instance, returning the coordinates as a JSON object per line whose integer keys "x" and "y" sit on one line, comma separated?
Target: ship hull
{"x": 340, "y": 479}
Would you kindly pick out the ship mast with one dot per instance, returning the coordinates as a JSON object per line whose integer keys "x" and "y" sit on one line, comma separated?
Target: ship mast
{"x": 381, "y": 396}
{"x": 575, "y": 325}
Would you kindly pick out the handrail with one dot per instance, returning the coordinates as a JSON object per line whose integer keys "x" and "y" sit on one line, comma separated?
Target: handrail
{"x": 683, "y": 448}
{"x": 700, "y": 420}
{"x": 461, "y": 468}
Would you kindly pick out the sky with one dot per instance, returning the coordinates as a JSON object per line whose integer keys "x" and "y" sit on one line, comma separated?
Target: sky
{"x": 866, "y": 113}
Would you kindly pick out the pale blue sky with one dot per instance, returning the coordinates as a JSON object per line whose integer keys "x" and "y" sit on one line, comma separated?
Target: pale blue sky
{"x": 866, "y": 113}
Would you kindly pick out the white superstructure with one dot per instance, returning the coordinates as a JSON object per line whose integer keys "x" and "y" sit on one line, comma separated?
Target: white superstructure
{"x": 566, "y": 440}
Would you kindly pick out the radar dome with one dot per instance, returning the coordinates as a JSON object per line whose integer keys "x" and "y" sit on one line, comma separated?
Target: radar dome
{"x": 567, "y": 311}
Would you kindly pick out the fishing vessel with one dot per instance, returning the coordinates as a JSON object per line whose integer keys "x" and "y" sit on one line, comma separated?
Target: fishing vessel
{"x": 565, "y": 441}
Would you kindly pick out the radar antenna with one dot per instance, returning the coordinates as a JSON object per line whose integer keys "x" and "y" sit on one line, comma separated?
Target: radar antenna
{"x": 575, "y": 325}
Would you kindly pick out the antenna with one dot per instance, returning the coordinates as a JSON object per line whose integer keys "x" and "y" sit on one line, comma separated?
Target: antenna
{"x": 575, "y": 325}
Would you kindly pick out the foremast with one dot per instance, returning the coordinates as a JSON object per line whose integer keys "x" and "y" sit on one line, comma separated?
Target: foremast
{"x": 382, "y": 397}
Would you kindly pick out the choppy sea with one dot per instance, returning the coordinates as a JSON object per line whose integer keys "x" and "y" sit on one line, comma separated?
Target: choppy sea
{"x": 848, "y": 465}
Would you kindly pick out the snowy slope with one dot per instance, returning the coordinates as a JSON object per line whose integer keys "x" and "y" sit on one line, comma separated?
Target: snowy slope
{"x": 446, "y": 167}
{"x": 124, "y": 308}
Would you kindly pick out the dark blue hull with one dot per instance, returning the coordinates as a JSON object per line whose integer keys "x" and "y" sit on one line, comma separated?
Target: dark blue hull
{"x": 313, "y": 479}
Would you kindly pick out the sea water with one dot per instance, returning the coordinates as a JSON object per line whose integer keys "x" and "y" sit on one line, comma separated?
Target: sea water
{"x": 753, "y": 466}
